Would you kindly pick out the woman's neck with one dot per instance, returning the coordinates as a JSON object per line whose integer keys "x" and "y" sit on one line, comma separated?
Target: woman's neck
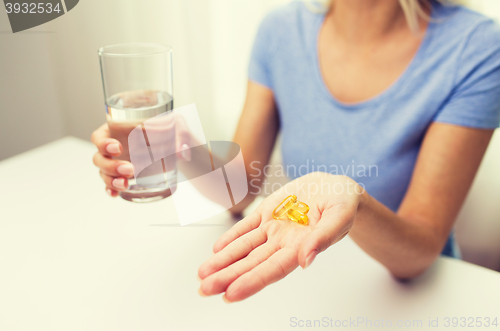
{"x": 365, "y": 21}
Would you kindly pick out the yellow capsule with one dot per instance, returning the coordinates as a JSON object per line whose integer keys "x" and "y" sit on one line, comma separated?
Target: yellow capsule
{"x": 302, "y": 207}
{"x": 297, "y": 216}
{"x": 293, "y": 210}
{"x": 280, "y": 212}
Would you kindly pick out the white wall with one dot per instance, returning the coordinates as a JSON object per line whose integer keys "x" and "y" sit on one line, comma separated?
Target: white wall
{"x": 487, "y": 7}
{"x": 478, "y": 225}
{"x": 51, "y": 85}
{"x": 30, "y": 102}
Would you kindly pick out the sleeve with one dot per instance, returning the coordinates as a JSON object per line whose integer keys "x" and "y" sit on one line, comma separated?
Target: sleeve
{"x": 475, "y": 99}
{"x": 259, "y": 68}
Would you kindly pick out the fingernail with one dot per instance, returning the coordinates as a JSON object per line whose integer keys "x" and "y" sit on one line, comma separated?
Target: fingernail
{"x": 225, "y": 299}
{"x": 201, "y": 293}
{"x": 113, "y": 148}
{"x": 125, "y": 169}
{"x": 109, "y": 192}
{"x": 119, "y": 183}
{"x": 310, "y": 258}
{"x": 186, "y": 152}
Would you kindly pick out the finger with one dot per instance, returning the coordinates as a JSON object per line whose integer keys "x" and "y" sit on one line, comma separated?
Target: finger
{"x": 280, "y": 264}
{"x": 332, "y": 227}
{"x": 111, "y": 192}
{"x": 114, "y": 168}
{"x": 117, "y": 184}
{"x": 247, "y": 224}
{"x": 236, "y": 250}
{"x": 104, "y": 143}
{"x": 218, "y": 282}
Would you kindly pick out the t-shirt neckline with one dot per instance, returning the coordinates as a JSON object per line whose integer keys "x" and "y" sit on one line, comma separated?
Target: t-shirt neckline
{"x": 392, "y": 88}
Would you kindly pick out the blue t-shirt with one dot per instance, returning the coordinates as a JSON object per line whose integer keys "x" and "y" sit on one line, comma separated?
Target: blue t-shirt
{"x": 453, "y": 78}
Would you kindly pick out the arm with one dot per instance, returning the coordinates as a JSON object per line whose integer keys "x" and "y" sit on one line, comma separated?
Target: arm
{"x": 408, "y": 242}
{"x": 259, "y": 250}
{"x": 256, "y": 134}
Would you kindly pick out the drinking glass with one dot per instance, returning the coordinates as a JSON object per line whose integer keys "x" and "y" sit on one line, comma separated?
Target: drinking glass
{"x": 138, "y": 90}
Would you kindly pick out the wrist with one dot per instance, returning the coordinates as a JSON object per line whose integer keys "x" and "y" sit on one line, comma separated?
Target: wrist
{"x": 364, "y": 199}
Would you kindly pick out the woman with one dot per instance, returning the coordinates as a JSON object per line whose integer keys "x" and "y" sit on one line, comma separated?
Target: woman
{"x": 410, "y": 87}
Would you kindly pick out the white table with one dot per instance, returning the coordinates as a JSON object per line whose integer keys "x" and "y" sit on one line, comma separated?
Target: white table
{"x": 72, "y": 258}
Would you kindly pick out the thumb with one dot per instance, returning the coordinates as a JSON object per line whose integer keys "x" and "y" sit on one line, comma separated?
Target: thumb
{"x": 334, "y": 224}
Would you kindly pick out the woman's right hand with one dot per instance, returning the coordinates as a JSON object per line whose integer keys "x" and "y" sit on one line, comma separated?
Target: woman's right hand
{"x": 115, "y": 173}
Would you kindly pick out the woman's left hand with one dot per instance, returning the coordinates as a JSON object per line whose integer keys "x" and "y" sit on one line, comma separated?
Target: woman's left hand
{"x": 260, "y": 250}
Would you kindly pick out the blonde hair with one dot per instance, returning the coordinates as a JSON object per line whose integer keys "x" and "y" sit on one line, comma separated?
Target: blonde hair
{"x": 413, "y": 9}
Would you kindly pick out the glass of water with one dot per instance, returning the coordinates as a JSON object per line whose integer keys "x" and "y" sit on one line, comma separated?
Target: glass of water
{"x": 138, "y": 89}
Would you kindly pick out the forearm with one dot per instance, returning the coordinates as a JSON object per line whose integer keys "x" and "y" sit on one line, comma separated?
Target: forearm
{"x": 408, "y": 242}
{"x": 405, "y": 247}
{"x": 256, "y": 134}
{"x": 200, "y": 163}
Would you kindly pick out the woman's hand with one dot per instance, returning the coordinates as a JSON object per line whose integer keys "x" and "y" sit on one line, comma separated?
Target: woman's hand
{"x": 260, "y": 250}
{"x": 115, "y": 172}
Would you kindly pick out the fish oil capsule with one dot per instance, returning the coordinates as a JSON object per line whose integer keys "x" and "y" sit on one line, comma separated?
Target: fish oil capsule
{"x": 302, "y": 207}
{"x": 297, "y": 216}
{"x": 293, "y": 210}
{"x": 279, "y": 212}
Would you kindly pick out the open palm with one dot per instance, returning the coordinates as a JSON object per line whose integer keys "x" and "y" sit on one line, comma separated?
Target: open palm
{"x": 260, "y": 250}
